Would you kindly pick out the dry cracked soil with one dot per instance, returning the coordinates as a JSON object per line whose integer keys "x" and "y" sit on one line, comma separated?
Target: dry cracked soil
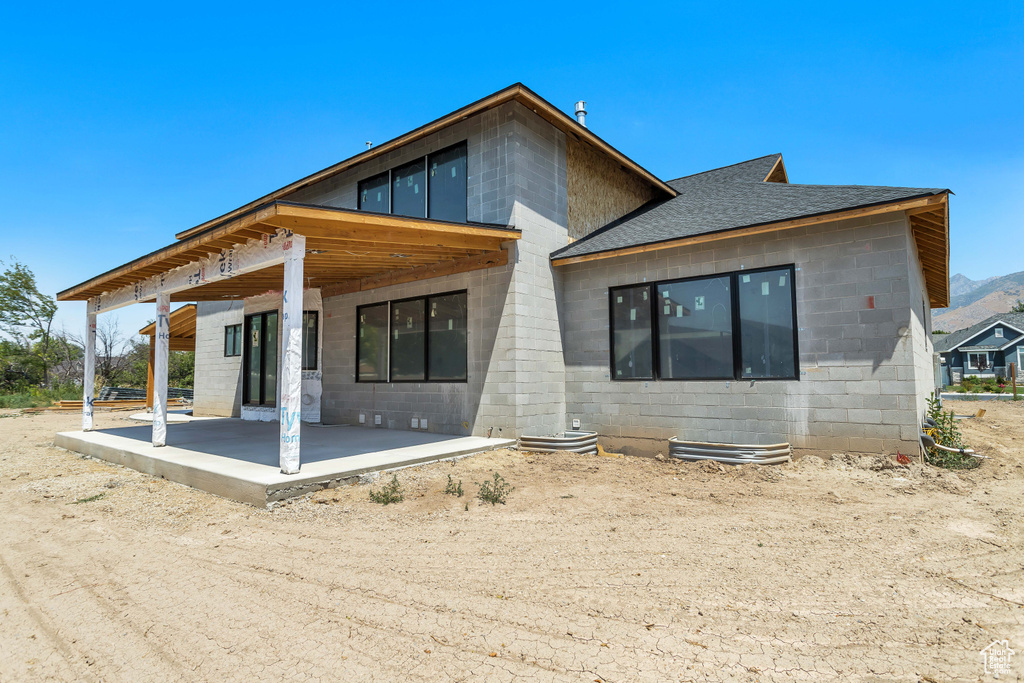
{"x": 596, "y": 569}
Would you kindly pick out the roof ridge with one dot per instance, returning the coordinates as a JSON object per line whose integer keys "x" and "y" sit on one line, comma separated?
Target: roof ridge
{"x": 722, "y": 168}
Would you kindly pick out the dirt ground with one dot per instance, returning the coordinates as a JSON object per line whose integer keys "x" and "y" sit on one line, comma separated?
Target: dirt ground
{"x": 597, "y": 569}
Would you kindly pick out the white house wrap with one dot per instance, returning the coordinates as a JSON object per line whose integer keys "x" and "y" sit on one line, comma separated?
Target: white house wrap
{"x": 162, "y": 338}
{"x": 291, "y": 345}
{"x": 89, "y": 369}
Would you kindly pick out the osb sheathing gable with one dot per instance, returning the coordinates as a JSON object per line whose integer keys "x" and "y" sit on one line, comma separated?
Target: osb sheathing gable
{"x": 599, "y": 189}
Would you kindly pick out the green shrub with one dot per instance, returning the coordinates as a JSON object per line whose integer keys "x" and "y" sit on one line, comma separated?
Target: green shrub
{"x": 453, "y": 489}
{"x": 947, "y": 433}
{"x": 389, "y": 493}
{"x": 34, "y": 397}
{"x": 495, "y": 491}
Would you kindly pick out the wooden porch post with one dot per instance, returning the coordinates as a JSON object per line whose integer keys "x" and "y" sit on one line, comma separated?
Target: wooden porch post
{"x": 149, "y": 373}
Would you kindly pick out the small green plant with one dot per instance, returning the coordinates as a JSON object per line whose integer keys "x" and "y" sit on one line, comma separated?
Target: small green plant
{"x": 495, "y": 491}
{"x": 389, "y": 493}
{"x": 87, "y": 500}
{"x": 947, "y": 433}
{"x": 453, "y": 489}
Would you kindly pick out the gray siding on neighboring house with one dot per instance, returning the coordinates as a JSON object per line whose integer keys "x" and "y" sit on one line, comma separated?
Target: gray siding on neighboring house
{"x": 863, "y": 376}
{"x": 218, "y": 378}
{"x": 989, "y": 338}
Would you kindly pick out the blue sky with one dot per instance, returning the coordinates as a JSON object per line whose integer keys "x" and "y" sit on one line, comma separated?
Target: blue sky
{"x": 123, "y": 124}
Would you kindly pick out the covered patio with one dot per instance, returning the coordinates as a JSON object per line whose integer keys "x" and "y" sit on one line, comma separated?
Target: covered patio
{"x": 281, "y": 247}
{"x": 238, "y": 459}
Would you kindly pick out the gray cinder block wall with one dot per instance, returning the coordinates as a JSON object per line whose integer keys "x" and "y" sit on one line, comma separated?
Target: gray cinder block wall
{"x": 861, "y": 385}
{"x": 218, "y": 379}
{"x": 516, "y": 176}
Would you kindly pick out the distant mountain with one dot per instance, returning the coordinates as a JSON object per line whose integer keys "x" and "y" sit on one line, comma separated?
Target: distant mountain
{"x": 971, "y": 301}
{"x": 961, "y": 284}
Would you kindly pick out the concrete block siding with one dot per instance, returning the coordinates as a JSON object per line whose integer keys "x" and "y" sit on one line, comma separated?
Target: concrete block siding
{"x": 516, "y": 373}
{"x": 218, "y": 379}
{"x": 481, "y": 403}
{"x": 490, "y": 181}
{"x": 863, "y": 378}
{"x": 538, "y": 352}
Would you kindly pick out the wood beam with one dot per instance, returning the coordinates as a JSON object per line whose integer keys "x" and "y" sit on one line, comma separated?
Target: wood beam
{"x": 491, "y": 260}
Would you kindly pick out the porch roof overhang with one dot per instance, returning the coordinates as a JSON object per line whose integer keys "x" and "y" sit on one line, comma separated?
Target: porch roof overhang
{"x": 927, "y": 216}
{"x": 182, "y": 329}
{"x": 345, "y": 248}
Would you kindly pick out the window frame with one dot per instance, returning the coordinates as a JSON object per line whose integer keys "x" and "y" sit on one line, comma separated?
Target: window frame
{"x": 237, "y": 327}
{"x": 426, "y": 339}
{"x": 316, "y": 336}
{"x": 976, "y": 366}
{"x": 264, "y": 402}
{"x": 425, "y": 158}
{"x": 736, "y": 328}
{"x": 611, "y": 334}
{"x": 359, "y": 190}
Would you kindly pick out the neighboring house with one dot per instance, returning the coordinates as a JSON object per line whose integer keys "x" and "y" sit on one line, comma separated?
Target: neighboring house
{"x": 504, "y": 270}
{"x": 983, "y": 350}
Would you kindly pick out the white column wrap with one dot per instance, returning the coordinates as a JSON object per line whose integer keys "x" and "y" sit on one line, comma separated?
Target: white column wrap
{"x": 162, "y": 339}
{"x": 291, "y": 355}
{"x": 89, "y": 370}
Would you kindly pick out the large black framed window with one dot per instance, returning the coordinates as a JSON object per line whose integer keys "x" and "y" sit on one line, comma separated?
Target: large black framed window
{"x": 408, "y": 340}
{"x": 413, "y": 340}
{"x": 730, "y": 326}
{"x": 372, "y": 343}
{"x": 432, "y": 186}
{"x": 409, "y": 189}
{"x": 375, "y": 194}
{"x": 631, "y": 333}
{"x": 447, "y": 184}
{"x": 233, "y": 340}
{"x": 259, "y": 376}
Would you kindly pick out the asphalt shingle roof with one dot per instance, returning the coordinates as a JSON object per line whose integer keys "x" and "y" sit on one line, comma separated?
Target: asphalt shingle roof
{"x": 730, "y": 198}
{"x": 947, "y": 342}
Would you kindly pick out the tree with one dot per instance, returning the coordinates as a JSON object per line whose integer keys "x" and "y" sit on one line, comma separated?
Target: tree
{"x": 26, "y": 315}
{"x": 113, "y": 351}
{"x": 1017, "y": 307}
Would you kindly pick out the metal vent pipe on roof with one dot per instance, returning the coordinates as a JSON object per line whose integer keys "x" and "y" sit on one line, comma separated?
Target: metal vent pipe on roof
{"x": 581, "y": 113}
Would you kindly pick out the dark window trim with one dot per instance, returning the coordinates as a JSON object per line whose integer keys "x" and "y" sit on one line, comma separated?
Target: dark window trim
{"x": 426, "y": 341}
{"x": 238, "y": 340}
{"x": 359, "y": 191}
{"x": 737, "y": 352}
{"x": 246, "y": 350}
{"x": 388, "y": 335}
{"x": 426, "y": 180}
{"x": 316, "y": 336}
{"x": 611, "y": 334}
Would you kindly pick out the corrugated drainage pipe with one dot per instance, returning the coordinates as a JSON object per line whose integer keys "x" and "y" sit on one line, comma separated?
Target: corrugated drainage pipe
{"x": 576, "y": 442}
{"x": 733, "y": 454}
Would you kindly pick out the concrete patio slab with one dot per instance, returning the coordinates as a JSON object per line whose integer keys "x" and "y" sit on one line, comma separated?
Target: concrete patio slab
{"x": 239, "y": 459}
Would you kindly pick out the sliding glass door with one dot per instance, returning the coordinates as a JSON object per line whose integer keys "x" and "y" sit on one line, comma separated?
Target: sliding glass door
{"x": 260, "y": 363}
